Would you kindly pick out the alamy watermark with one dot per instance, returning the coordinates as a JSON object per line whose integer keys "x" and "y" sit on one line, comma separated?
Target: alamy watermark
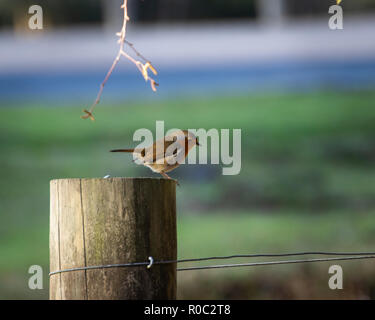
{"x": 336, "y": 280}
{"x": 36, "y": 280}
{"x": 220, "y": 146}
{"x": 336, "y": 20}
{"x": 36, "y": 20}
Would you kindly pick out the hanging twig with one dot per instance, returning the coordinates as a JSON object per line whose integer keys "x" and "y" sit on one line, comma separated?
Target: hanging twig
{"x": 142, "y": 67}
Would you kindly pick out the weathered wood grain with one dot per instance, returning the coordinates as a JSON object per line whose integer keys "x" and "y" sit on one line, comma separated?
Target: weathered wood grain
{"x": 110, "y": 221}
{"x": 55, "y": 292}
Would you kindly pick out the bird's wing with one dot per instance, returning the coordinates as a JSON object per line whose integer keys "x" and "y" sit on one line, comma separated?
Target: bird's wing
{"x": 156, "y": 151}
{"x": 177, "y": 155}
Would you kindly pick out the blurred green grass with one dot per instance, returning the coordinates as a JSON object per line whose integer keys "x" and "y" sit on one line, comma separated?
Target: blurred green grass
{"x": 307, "y": 179}
{"x": 226, "y": 233}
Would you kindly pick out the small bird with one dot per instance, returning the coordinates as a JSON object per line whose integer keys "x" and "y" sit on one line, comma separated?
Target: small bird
{"x": 164, "y": 159}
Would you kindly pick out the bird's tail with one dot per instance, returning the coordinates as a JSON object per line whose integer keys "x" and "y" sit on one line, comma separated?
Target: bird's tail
{"x": 123, "y": 150}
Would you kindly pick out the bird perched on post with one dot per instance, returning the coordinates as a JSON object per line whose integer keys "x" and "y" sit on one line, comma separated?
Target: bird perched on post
{"x": 165, "y": 154}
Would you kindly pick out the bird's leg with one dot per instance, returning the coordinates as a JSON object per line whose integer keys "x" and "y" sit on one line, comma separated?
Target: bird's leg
{"x": 168, "y": 177}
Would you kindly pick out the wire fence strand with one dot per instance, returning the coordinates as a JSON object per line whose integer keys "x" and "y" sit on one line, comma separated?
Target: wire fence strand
{"x": 254, "y": 264}
{"x": 342, "y": 256}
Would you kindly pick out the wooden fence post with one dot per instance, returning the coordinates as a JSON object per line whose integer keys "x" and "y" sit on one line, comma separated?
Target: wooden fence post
{"x": 112, "y": 221}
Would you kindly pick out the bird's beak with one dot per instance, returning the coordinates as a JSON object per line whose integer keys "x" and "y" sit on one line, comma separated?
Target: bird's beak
{"x": 198, "y": 144}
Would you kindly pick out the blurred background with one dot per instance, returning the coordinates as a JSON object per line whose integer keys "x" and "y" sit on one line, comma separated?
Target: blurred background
{"x": 302, "y": 94}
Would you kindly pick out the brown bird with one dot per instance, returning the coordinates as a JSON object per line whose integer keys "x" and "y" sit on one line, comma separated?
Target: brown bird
{"x": 161, "y": 156}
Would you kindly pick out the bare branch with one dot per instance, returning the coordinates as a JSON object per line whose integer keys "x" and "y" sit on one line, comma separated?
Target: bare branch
{"x": 142, "y": 67}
